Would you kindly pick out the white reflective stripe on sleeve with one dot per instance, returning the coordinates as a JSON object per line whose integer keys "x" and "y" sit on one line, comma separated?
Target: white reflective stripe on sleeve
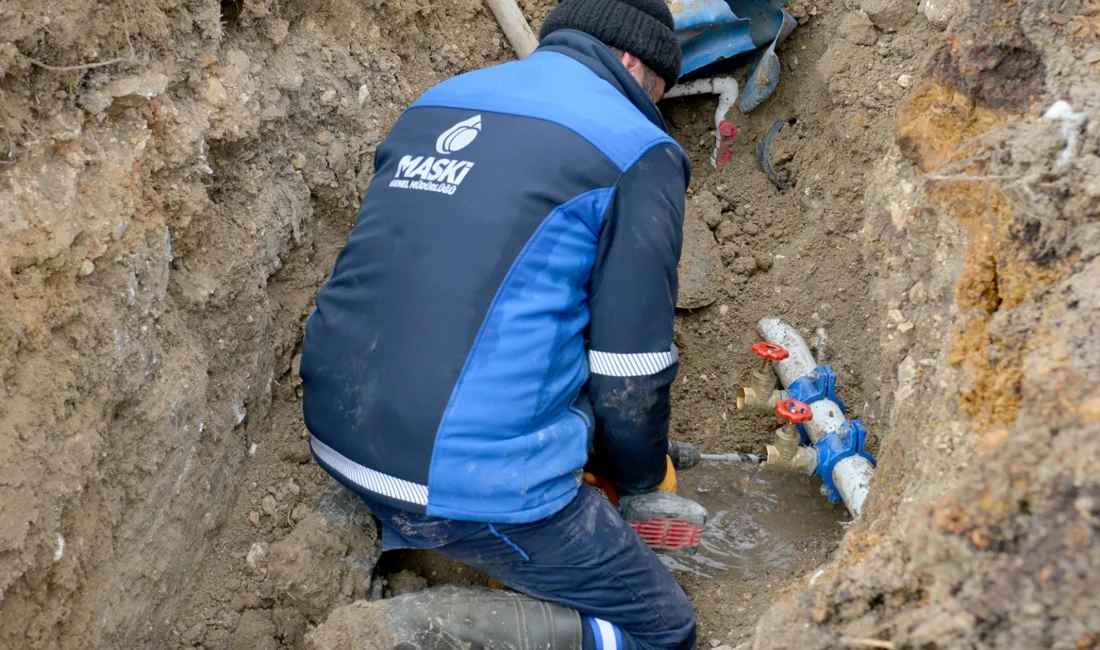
{"x": 369, "y": 479}
{"x": 607, "y": 634}
{"x": 641, "y": 364}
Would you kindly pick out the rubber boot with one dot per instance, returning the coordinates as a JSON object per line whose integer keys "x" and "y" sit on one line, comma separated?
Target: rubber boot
{"x": 453, "y": 617}
{"x": 667, "y": 522}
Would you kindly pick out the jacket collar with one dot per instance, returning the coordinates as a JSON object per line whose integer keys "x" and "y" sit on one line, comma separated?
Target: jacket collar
{"x": 594, "y": 55}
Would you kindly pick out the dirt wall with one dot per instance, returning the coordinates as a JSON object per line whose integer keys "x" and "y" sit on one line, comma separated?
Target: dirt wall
{"x": 178, "y": 175}
{"x": 981, "y": 530}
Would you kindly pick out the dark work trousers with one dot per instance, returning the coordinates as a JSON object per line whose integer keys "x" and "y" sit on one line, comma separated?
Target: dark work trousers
{"x": 585, "y": 557}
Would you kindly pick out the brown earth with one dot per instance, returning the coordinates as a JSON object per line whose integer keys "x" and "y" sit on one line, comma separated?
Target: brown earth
{"x": 181, "y": 174}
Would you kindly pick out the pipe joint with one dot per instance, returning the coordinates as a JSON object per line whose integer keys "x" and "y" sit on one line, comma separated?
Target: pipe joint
{"x": 847, "y": 441}
{"x": 818, "y": 384}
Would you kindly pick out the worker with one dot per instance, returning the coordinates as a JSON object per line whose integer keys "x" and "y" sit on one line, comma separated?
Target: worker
{"x": 502, "y": 312}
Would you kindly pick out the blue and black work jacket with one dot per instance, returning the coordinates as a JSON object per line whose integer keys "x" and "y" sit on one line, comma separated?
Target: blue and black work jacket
{"x": 504, "y": 303}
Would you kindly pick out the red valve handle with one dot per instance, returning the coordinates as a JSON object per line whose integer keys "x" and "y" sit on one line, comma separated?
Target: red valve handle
{"x": 793, "y": 410}
{"x": 770, "y": 351}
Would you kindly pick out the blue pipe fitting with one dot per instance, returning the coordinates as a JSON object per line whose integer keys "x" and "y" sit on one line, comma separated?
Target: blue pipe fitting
{"x": 848, "y": 440}
{"x": 818, "y": 385}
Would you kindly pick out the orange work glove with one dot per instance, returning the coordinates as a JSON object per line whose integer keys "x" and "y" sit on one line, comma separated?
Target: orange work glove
{"x": 603, "y": 485}
{"x": 669, "y": 484}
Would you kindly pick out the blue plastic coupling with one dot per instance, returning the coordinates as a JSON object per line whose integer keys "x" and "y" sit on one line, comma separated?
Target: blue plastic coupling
{"x": 848, "y": 440}
{"x": 818, "y": 385}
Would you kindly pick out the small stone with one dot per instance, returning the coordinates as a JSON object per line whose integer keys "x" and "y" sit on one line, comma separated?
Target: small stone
{"x": 143, "y": 86}
{"x": 939, "y": 12}
{"x": 856, "y": 28}
{"x": 254, "y": 518}
{"x": 917, "y": 294}
{"x": 328, "y": 97}
{"x": 727, "y": 231}
{"x": 255, "y": 554}
{"x": 268, "y": 505}
{"x": 300, "y": 512}
{"x": 298, "y": 161}
{"x": 194, "y": 634}
{"x": 723, "y": 310}
{"x": 905, "y": 327}
{"x": 323, "y": 136}
{"x": 905, "y": 80}
{"x": 294, "y": 489}
{"x": 94, "y": 102}
{"x": 276, "y": 29}
{"x": 745, "y": 265}
{"x": 896, "y": 315}
{"x": 1084, "y": 506}
{"x": 888, "y": 15}
{"x": 86, "y": 268}
{"x": 364, "y": 94}
{"x": 709, "y": 206}
{"x": 214, "y": 93}
{"x": 714, "y": 643}
{"x": 66, "y": 126}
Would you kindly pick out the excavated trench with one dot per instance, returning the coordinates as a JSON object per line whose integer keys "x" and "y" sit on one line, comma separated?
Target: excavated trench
{"x": 181, "y": 174}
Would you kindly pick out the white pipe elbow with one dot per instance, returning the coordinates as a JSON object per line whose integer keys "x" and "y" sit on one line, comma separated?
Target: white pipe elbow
{"x": 725, "y": 87}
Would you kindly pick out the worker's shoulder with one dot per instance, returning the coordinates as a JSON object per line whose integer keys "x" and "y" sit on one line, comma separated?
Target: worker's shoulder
{"x": 555, "y": 88}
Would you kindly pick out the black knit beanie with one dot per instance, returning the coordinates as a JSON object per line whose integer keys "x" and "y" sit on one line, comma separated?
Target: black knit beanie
{"x": 643, "y": 28}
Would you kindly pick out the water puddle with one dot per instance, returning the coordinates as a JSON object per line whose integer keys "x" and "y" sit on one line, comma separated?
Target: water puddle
{"x": 756, "y": 519}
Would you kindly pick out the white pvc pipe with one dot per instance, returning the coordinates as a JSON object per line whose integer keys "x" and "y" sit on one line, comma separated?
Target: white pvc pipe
{"x": 514, "y": 26}
{"x": 800, "y": 362}
{"x": 827, "y": 417}
{"x": 727, "y": 90}
{"x": 851, "y": 475}
{"x": 725, "y": 87}
{"x": 853, "y": 479}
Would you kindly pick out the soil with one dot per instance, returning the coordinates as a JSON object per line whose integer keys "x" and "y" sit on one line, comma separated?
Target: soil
{"x": 180, "y": 175}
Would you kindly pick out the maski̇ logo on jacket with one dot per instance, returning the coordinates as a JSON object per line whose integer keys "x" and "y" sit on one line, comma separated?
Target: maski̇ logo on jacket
{"x": 458, "y": 136}
{"x": 442, "y": 174}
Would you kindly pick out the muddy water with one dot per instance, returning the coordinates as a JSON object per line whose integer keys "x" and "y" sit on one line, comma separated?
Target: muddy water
{"x": 757, "y": 519}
